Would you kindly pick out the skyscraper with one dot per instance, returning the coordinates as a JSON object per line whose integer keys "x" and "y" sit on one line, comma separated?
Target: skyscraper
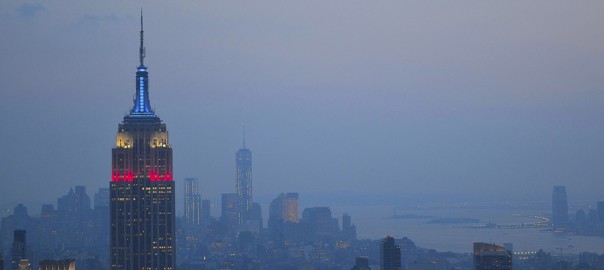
{"x": 243, "y": 173}
{"x": 600, "y": 210}
{"x": 361, "y": 263}
{"x": 230, "y": 211}
{"x": 205, "y": 209}
{"x": 192, "y": 202}
{"x": 142, "y": 191}
{"x": 491, "y": 257}
{"x": 284, "y": 208}
{"x": 18, "y": 248}
{"x": 559, "y": 208}
{"x": 390, "y": 255}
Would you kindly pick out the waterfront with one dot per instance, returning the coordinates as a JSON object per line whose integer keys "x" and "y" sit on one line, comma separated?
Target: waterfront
{"x": 373, "y": 223}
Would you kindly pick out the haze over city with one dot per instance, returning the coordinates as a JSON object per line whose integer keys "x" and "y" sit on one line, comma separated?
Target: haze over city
{"x": 496, "y": 100}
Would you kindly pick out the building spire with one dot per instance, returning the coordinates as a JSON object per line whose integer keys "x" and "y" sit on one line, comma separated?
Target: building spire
{"x": 141, "y": 51}
{"x": 142, "y": 105}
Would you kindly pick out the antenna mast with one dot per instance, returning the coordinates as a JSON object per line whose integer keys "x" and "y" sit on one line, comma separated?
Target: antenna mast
{"x": 141, "y": 51}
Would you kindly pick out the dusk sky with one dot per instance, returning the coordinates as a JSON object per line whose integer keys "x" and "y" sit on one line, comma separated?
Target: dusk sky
{"x": 406, "y": 98}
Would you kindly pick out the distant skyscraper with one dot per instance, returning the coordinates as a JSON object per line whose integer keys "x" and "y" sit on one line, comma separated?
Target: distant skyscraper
{"x": 390, "y": 255}
{"x": 101, "y": 198}
{"x": 18, "y": 248}
{"x": 284, "y": 208}
{"x": 318, "y": 223}
{"x": 243, "y": 173}
{"x": 559, "y": 208}
{"x": 75, "y": 202}
{"x": 57, "y": 265}
{"x": 349, "y": 230}
{"x": 192, "y": 202}
{"x": 230, "y": 210}
{"x": 205, "y": 209}
{"x": 361, "y": 263}
{"x": 142, "y": 191}
{"x": 601, "y": 211}
{"x": 491, "y": 257}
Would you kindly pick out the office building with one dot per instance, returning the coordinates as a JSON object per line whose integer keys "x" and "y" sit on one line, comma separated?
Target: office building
{"x": 390, "y": 255}
{"x": 491, "y": 257}
{"x": 243, "y": 173}
{"x": 192, "y": 202}
{"x": 318, "y": 223}
{"x": 230, "y": 211}
{"x": 18, "y": 248}
{"x": 349, "y": 230}
{"x": 284, "y": 208}
{"x": 205, "y": 210}
{"x": 142, "y": 211}
{"x": 559, "y": 208}
{"x": 601, "y": 211}
{"x": 68, "y": 264}
{"x": 361, "y": 263}
{"x": 101, "y": 198}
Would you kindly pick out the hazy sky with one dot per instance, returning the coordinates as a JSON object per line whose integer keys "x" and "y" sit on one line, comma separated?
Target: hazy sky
{"x": 400, "y": 97}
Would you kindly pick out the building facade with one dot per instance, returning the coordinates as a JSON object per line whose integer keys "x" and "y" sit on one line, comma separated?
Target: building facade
{"x": 230, "y": 211}
{"x": 18, "y": 248}
{"x": 491, "y": 257}
{"x": 559, "y": 208}
{"x": 243, "y": 173}
{"x": 68, "y": 264}
{"x": 390, "y": 255}
{"x": 142, "y": 211}
{"x": 192, "y": 202}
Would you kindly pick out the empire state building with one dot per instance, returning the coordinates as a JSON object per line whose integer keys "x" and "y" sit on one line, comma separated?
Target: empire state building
{"x": 142, "y": 190}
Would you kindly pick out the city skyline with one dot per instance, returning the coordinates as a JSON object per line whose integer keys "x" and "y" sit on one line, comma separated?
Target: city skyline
{"x": 517, "y": 105}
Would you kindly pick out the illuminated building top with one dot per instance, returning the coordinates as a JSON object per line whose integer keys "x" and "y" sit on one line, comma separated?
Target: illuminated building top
{"x": 142, "y": 104}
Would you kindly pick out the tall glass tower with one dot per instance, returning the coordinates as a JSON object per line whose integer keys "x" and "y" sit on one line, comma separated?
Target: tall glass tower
{"x": 559, "y": 208}
{"x": 192, "y": 202}
{"x": 243, "y": 173}
{"x": 142, "y": 191}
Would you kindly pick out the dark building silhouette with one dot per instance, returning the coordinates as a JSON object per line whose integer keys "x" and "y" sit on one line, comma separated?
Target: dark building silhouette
{"x": 253, "y": 222}
{"x": 18, "y": 248}
{"x": 68, "y": 264}
{"x": 601, "y": 211}
{"x": 205, "y": 209}
{"x": 318, "y": 223}
{"x": 101, "y": 198}
{"x": 491, "y": 257}
{"x": 361, "y": 263}
{"x": 75, "y": 203}
{"x": 230, "y": 211}
{"x": 192, "y": 202}
{"x": 559, "y": 208}
{"x": 142, "y": 189}
{"x": 390, "y": 255}
{"x": 243, "y": 172}
{"x": 1, "y": 261}
{"x": 349, "y": 230}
